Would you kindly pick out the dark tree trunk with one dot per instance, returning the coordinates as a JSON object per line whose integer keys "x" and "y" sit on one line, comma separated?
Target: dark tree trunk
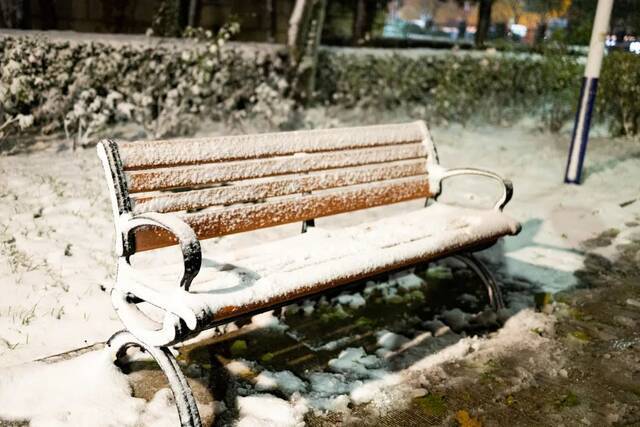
{"x": 541, "y": 31}
{"x": 272, "y": 16}
{"x": 364, "y": 14}
{"x": 193, "y": 17}
{"x": 484, "y": 22}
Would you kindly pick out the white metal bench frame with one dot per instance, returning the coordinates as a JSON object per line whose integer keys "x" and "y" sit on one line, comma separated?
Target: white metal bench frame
{"x": 185, "y": 324}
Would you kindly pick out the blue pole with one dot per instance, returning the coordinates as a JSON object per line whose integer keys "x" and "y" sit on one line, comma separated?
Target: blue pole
{"x": 580, "y": 136}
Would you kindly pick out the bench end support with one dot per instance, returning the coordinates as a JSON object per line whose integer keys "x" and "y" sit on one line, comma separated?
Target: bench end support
{"x": 182, "y": 394}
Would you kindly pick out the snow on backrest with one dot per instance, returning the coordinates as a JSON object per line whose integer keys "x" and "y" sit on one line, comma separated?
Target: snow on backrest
{"x": 229, "y": 184}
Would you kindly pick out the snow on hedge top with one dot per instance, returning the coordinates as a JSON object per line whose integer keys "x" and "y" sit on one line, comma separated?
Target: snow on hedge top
{"x": 159, "y": 153}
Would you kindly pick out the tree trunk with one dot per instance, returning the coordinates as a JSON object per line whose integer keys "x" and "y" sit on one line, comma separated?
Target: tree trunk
{"x": 484, "y": 22}
{"x": 192, "y": 19}
{"x": 541, "y": 31}
{"x": 364, "y": 14}
{"x": 305, "y": 31}
{"x": 272, "y": 21}
{"x": 167, "y": 18}
{"x": 359, "y": 17}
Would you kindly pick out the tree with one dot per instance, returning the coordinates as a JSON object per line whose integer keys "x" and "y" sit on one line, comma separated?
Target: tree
{"x": 484, "y": 20}
{"x": 547, "y": 9}
{"x": 364, "y": 15}
{"x": 303, "y": 39}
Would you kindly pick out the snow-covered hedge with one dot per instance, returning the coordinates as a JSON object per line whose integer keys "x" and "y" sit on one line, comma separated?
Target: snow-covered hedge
{"x": 498, "y": 88}
{"x": 620, "y": 83}
{"x": 83, "y": 87}
{"x": 167, "y": 88}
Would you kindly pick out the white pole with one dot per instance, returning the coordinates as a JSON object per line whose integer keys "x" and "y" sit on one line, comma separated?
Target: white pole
{"x": 588, "y": 92}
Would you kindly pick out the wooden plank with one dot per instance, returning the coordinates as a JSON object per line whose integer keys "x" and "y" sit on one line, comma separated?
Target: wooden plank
{"x": 163, "y": 153}
{"x": 257, "y": 190}
{"x": 239, "y": 218}
{"x": 189, "y": 177}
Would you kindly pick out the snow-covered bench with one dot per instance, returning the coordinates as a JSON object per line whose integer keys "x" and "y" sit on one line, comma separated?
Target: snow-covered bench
{"x": 169, "y": 192}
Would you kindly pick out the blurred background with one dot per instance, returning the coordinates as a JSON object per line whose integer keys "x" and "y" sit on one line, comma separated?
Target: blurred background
{"x": 440, "y": 23}
{"x": 90, "y": 68}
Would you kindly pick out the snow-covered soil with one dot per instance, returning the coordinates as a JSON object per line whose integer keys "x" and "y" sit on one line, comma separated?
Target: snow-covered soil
{"x": 57, "y": 266}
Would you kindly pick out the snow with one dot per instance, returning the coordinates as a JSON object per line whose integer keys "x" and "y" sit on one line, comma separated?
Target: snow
{"x": 57, "y": 267}
{"x": 283, "y": 380}
{"x": 263, "y": 188}
{"x": 390, "y": 340}
{"x": 76, "y": 392}
{"x": 355, "y": 362}
{"x": 215, "y": 149}
{"x": 267, "y": 320}
{"x": 212, "y": 173}
{"x": 265, "y": 410}
{"x": 240, "y": 368}
{"x": 354, "y": 300}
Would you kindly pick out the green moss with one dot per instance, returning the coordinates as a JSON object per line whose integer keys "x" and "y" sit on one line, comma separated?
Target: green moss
{"x": 330, "y": 314}
{"x": 576, "y": 313}
{"x": 238, "y": 347}
{"x": 568, "y": 400}
{"x": 433, "y": 405}
{"x": 414, "y": 296}
{"x": 396, "y": 299}
{"x": 266, "y": 357}
{"x": 580, "y": 336}
{"x": 364, "y": 321}
{"x": 537, "y": 331}
{"x": 439, "y": 272}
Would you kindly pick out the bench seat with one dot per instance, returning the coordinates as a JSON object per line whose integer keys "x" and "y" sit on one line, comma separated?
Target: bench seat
{"x": 241, "y": 281}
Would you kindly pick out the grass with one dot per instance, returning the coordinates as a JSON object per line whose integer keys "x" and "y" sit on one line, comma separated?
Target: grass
{"x": 27, "y": 316}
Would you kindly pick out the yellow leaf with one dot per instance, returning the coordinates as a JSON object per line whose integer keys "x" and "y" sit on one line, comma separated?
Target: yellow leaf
{"x": 465, "y": 420}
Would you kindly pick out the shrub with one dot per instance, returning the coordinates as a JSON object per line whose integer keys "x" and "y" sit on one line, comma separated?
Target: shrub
{"x": 452, "y": 87}
{"x": 619, "y": 93}
{"x": 168, "y": 88}
{"x": 85, "y": 87}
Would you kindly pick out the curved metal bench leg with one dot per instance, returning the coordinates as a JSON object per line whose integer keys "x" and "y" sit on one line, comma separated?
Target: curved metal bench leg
{"x": 495, "y": 296}
{"x": 185, "y": 402}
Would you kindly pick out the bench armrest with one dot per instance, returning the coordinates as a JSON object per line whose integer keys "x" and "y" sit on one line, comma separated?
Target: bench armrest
{"x": 187, "y": 239}
{"x": 507, "y": 191}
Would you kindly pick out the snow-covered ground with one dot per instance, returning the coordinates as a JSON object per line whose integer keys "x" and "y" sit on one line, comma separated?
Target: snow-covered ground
{"x": 57, "y": 266}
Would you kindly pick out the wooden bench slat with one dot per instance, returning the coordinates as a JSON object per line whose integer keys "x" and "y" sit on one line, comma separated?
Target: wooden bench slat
{"x": 163, "y": 153}
{"x": 236, "y": 219}
{"x": 215, "y": 173}
{"x": 256, "y": 190}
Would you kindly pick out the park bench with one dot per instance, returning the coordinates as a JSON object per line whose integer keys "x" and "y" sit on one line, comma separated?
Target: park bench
{"x": 177, "y": 192}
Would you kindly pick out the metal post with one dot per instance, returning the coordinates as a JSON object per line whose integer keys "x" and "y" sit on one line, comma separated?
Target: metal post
{"x": 580, "y": 135}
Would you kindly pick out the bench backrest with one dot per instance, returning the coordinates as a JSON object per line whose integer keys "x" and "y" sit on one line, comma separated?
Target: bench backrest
{"x": 229, "y": 184}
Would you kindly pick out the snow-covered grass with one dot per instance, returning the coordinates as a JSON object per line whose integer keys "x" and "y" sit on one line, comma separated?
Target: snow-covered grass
{"x": 57, "y": 266}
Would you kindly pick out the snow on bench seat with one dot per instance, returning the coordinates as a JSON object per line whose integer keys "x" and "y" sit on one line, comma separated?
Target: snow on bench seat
{"x": 244, "y": 280}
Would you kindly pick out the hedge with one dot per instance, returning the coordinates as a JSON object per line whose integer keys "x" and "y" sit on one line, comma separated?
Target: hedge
{"x": 492, "y": 87}
{"x": 83, "y": 88}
